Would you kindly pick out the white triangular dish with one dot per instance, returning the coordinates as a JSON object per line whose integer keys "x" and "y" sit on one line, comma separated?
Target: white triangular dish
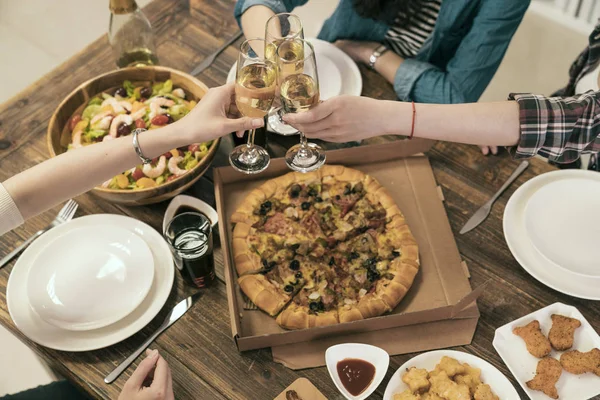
{"x": 376, "y": 356}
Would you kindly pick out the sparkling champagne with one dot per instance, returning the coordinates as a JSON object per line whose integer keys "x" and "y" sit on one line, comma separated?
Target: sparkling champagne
{"x": 291, "y": 53}
{"x": 136, "y": 58}
{"x": 299, "y": 93}
{"x": 255, "y": 89}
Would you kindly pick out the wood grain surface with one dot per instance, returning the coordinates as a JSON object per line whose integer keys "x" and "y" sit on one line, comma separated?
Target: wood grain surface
{"x": 199, "y": 348}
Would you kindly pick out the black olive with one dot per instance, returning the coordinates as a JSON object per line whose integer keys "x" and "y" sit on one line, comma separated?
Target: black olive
{"x": 295, "y": 246}
{"x": 318, "y": 199}
{"x": 121, "y": 92}
{"x": 370, "y": 262}
{"x": 305, "y": 205}
{"x": 298, "y": 275}
{"x": 347, "y": 190}
{"x": 314, "y": 306}
{"x": 337, "y": 197}
{"x": 396, "y": 253}
{"x": 170, "y": 119}
{"x": 262, "y": 211}
{"x": 272, "y": 264}
{"x": 267, "y": 205}
{"x": 331, "y": 261}
{"x": 354, "y": 255}
{"x": 265, "y": 263}
{"x": 123, "y": 129}
{"x": 288, "y": 288}
{"x": 312, "y": 192}
{"x": 146, "y": 92}
{"x": 294, "y": 265}
{"x": 363, "y": 229}
{"x": 295, "y": 190}
{"x": 321, "y": 306}
{"x": 373, "y": 275}
{"x": 358, "y": 188}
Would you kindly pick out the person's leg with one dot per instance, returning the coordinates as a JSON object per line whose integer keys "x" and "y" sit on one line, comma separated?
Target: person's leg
{"x": 62, "y": 390}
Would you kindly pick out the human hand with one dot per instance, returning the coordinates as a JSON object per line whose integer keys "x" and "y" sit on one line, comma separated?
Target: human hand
{"x": 344, "y": 119}
{"x": 489, "y": 150}
{"x": 358, "y": 51}
{"x": 151, "y": 380}
{"x": 216, "y": 115}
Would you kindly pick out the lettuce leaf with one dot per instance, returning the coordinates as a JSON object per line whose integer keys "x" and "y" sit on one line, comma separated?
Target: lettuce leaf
{"x": 95, "y": 101}
{"x": 128, "y": 86}
{"x": 90, "y": 111}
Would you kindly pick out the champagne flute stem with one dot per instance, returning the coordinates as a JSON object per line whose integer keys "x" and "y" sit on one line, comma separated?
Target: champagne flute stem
{"x": 250, "y": 142}
{"x": 303, "y": 152}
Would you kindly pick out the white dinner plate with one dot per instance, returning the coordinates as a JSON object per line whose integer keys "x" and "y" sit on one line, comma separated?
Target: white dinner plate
{"x": 90, "y": 277}
{"x": 562, "y": 219}
{"x": 338, "y": 73}
{"x": 45, "y": 334}
{"x": 489, "y": 374}
{"x": 513, "y": 351}
{"x": 520, "y": 243}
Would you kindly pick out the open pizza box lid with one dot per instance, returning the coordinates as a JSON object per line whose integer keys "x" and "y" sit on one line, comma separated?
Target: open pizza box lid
{"x": 438, "y": 311}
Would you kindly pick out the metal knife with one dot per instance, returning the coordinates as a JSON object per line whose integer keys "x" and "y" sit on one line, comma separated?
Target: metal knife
{"x": 481, "y": 214}
{"x": 170, "y": 319}
{"x": 211, "y": 58}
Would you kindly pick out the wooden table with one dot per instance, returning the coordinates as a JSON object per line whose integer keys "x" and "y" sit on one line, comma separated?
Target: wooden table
{"x": 199, "y": 348}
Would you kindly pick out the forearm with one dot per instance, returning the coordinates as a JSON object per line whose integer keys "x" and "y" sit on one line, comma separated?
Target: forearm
{"x": 253, "y": 22}
{"x": 494, "y": 124}
{"x": 387, "y": 65}
{"x": 75, "y": 172}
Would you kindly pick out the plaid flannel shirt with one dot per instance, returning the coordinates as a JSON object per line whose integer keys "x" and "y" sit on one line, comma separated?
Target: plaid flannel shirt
{"x": 565, "y": 126}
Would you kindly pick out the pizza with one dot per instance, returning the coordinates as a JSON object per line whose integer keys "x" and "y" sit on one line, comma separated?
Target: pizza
{"x": 322, "y": 248}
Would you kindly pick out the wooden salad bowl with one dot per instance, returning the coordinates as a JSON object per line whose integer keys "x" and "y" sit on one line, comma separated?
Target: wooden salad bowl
{"x": 59, "y": 136}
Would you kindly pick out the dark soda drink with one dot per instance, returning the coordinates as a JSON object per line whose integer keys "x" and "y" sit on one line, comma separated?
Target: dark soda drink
{"x": 190, "y": 238}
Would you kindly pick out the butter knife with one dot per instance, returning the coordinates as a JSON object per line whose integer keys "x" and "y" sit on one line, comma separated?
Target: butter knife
{"x": 211, "y": 58}
{"x": 176, "y": 313}
{"x": 481, "y": 214}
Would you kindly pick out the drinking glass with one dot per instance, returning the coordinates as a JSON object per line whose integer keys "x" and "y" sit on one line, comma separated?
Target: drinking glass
{"x": 255, "y": 82}
{"x": 279, "y": 28}
{"x": 299, "y": 92}
{"x": 189, "y": 236}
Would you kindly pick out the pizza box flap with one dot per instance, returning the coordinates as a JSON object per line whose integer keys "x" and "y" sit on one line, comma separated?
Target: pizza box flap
{"x": 305, "y": 390}
{"x": 441, "y": 289}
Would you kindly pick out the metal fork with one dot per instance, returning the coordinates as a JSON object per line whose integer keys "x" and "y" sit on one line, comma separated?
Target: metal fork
{"x": 64, "y": 215}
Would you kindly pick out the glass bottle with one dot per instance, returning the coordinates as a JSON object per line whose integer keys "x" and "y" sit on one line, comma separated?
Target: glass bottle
{"x": 130, "y": 35}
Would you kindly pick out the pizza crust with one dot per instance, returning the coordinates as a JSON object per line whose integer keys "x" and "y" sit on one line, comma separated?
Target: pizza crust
{"x": 299, "y": 317}
{"x": 263, "y": 293}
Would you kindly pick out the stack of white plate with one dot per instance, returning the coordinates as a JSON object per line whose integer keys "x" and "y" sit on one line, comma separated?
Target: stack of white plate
{"x": 90, "y": 283}
{"x": 552, "y": 227}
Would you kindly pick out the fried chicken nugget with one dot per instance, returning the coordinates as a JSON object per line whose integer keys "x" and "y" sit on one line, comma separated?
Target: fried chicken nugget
{"x": 444, "y": 387}
{"x": 548, "y": 372}
{"x": 484, "y": 392}
{"x": 562, "y": 332}
{"x": 577, "y": 362}
{"x": 537, "y": 344}
{"x": 430, "y": 396}
{"x": 471, "y": 378}
{"x": 450, "y": 366}
{"x": 407, "y": 395}
{"x": 416, "y": 379}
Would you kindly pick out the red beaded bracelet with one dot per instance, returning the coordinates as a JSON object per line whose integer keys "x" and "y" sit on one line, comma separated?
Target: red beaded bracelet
{"x": 414, "y": 115}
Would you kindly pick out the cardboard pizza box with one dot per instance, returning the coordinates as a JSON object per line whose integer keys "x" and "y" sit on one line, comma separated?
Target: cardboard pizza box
{"x": 438, "y": 311}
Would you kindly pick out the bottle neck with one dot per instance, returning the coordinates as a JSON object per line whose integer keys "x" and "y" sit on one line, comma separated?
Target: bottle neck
{"x": 119, "y": 7}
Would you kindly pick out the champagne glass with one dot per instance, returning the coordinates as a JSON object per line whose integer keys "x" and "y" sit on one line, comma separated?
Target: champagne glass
{"x": 255, "y": 82}
{"x": 299, "y": 92}
{"x": 279, "y": 28}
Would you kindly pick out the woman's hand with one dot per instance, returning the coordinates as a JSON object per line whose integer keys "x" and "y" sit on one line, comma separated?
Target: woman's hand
{"x": 151, "y": 380}
{"x": 486, "y": 150}
{"x": 358, "y": 51}
{"x": 216, "y": 115}
{"x": 347, "y": 118}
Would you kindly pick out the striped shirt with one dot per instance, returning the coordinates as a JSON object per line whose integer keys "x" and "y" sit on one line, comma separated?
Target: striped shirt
{"x": 406, "y": 39}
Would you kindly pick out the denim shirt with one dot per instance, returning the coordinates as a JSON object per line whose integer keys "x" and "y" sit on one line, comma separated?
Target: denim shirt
{"x": 457, "y": 61}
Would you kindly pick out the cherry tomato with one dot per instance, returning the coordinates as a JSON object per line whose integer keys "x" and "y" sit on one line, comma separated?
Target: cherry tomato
{"x": 137, "y": 174}
{"x": 193, "y": 148}
{"x": 139, "y": 123}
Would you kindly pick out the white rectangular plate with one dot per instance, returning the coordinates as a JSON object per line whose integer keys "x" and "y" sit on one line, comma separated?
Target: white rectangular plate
{"x": 513, "y": 351}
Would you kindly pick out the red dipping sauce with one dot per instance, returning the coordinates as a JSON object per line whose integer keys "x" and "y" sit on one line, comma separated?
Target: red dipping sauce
{"x": 356, "y": 375}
